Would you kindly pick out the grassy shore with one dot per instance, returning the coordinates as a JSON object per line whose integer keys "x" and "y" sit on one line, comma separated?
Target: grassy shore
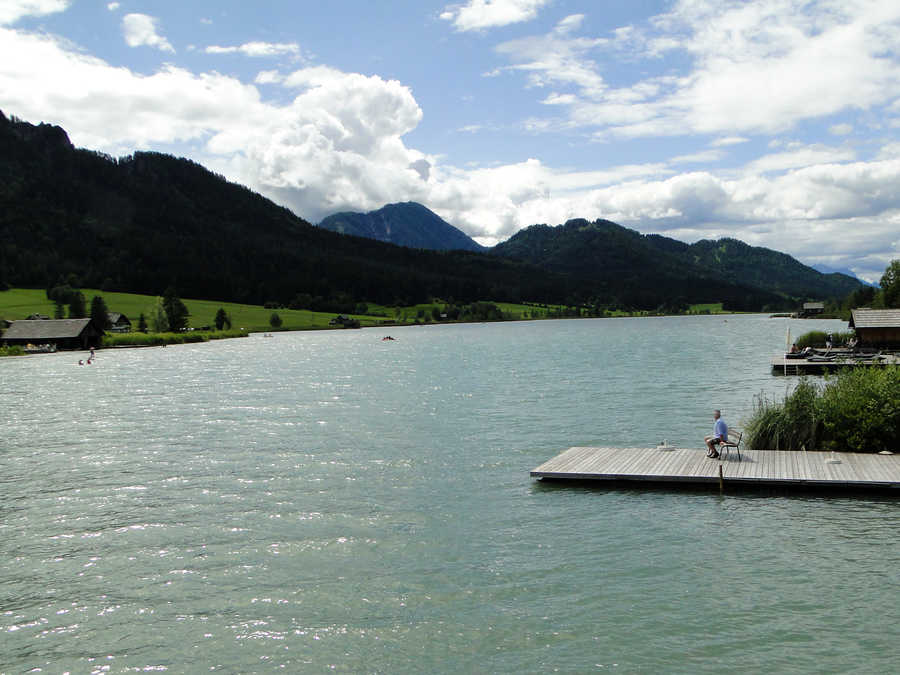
{"x": 137, "y": 339}
{"x": 19, "y": 303}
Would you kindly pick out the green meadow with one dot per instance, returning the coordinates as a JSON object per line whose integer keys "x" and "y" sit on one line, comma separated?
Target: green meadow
{"x": 19, "y": 303}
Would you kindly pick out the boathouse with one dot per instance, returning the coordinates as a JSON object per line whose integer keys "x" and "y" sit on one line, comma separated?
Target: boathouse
{"x": 876, "y": 328}
{"x": 811, "y": 309}
{"x": 64, "y": 333}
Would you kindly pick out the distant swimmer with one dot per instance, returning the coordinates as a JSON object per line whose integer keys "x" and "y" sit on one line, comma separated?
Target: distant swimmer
{"x": 387, "y": 337}
{"x": 80, "y": 362}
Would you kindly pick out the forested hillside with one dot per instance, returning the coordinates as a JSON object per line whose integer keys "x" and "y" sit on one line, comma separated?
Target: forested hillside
{"x": 772, "y": 270}
{"x": 636, "y": 269}
{"x": 626, "y": 270}
{"x": 143, "y": 222}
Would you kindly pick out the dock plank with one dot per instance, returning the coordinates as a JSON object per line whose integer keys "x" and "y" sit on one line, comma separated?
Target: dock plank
{"x": 690, "y": 465}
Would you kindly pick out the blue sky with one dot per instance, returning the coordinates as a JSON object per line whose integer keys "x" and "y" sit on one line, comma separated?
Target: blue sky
{"x": 774, "y": 121}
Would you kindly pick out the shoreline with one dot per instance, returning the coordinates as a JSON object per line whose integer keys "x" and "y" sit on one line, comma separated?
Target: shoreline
{"x": 211, "y": 336}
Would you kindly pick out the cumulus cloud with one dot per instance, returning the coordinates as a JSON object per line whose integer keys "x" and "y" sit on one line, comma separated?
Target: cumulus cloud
{"x": 257, "y": 49}
{"x": 113, "y": 6}
{"x": 13, "y": 10}
{"x": 141, "y": 30}
{"x": 482, "y": 14}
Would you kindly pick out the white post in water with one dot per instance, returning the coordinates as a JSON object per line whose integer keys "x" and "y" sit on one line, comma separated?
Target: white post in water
{"x": 787, "y": 348}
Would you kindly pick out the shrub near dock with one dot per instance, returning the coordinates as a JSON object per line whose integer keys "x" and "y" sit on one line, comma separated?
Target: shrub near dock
{"x": 861, "y": 410}
{"x": 856, "y": 411}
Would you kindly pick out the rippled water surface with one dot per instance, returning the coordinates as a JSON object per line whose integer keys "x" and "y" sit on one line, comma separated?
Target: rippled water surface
{"x": 328, "y": 501}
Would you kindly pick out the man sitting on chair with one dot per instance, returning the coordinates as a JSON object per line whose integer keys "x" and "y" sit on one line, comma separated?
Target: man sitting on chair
{"x": 720, "y": 435}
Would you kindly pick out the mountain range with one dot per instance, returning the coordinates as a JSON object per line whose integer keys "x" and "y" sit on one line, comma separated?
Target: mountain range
{"x": 146, "y": 221}
{"x": 611, "y": 255}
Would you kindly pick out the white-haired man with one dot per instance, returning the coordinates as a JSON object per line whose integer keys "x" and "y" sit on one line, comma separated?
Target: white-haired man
{"x": 719, "y": 435}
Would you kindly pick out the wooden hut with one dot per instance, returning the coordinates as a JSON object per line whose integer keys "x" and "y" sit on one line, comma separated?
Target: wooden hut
{"x": 876, "y": 328}
{"x": 119, "y": 323}
{"x": 811, "y": 309}
{"x": 64, "y": 333}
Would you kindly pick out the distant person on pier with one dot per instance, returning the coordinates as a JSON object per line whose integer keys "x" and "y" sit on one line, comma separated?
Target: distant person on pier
{"x": 719, "y": 435}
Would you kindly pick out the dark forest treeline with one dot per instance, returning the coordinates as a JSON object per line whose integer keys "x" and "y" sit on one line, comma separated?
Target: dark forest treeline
{"x": 143, "y": 222}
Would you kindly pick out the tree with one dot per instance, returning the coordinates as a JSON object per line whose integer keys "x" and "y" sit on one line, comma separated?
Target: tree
{"x": 59, "y": 310}
{"x": 221, "y": 319}
{"x": 142, "y": 323}
{"x": 77, "y": 306}
{"x": 158, "y": 319}
{"x": 890, "y": 285}
{"x": 275, "y": 320}
{"x": 99, "y": 312}
{"x": 176, "y": 312}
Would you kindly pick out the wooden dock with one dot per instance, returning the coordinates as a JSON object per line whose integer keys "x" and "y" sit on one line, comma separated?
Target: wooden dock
{"x": 756, "y": 467}
{"x": 784, "y": 366}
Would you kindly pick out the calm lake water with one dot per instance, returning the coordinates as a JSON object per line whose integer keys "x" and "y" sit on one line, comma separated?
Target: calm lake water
{"x": 328, "y": 501}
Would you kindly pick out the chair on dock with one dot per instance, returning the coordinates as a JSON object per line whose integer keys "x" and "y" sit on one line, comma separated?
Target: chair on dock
{"x": 734, "y": 441}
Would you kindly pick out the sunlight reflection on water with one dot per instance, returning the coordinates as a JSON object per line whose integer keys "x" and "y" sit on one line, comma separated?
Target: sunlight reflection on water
{"x": 327, "y": 499}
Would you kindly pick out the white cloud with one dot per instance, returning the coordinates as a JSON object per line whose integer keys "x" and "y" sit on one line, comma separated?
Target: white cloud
{"x": 113, "y": 6}
{"x": 481, "y": 14}
{"x": 759, "y": 67}
{"x": 840, "y": 129}
{"x": 558, "y": 59}
{"x": 257, "y": 49}
{"x": 140, "y": 30}
{"x": 702, "y": 157}
{"x": 799, "y": 157}
{"x": 729, "y": 140}
{"x": 13, "y": 10}
{"x": 268, "y": 77}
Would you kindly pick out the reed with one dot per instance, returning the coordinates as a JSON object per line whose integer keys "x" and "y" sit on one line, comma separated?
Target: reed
{"x": 816, "y": 338}
{"x": 794, "y": 424}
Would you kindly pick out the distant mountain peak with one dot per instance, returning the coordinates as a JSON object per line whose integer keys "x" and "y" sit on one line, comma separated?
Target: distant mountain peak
{"x": 405, "y": 224}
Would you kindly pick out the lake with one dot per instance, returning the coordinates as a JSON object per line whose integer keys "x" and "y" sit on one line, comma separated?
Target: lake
{"x": 327, "y": 501}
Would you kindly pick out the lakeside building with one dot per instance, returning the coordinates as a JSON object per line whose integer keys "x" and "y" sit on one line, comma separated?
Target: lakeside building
{"x": 811, "y": 309}
{"x": 876, "y": 328}
{"x": 63, "y": 333}
{"x": 119, "y": 323}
